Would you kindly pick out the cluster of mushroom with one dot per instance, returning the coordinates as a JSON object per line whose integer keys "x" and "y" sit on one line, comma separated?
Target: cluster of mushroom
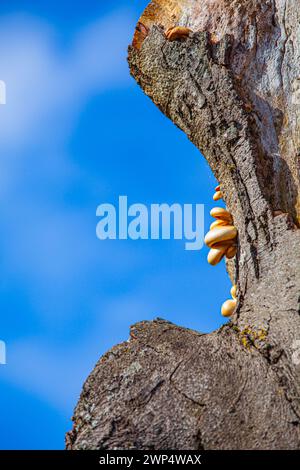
{"x": 221, "y": 239}
{"x": 229, "y": 305}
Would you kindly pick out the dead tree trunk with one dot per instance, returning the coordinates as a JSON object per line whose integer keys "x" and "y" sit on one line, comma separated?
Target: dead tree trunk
{"x": 233, "y": 86}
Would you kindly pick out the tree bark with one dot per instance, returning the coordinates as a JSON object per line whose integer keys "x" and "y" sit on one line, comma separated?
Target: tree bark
{"x": 233, "y": 86}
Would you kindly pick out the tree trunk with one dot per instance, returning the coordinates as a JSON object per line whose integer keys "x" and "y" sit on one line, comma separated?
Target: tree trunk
{"x": 233, "y": 86}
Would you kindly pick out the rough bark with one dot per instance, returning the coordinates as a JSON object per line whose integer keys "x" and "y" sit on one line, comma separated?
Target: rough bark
{"x": 233, "y": 86}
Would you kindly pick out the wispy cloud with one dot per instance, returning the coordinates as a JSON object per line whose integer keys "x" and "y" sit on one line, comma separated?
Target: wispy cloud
{"x": 47, "y": 244}
{"x": 82, "y": 294}
{"x": 50, "y": 247}
{"x": 47, "y": 84}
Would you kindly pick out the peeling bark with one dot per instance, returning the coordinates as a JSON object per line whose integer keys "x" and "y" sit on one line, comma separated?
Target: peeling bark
{"x": 233, "y": 86}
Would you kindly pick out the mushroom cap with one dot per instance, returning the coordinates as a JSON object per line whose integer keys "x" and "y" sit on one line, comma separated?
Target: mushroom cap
{"x": 177, "y": 32}
{"x": 226, "y": 243}
{"x": 221, "y": 213}
{"x": 216, "y": 254}
{"x": 228, "y": 307}
{"x": 218, "y": 223}
{"x": 218, "y": 195}
{"x": 220, "y": 234}
{"x": 233, "y": 291}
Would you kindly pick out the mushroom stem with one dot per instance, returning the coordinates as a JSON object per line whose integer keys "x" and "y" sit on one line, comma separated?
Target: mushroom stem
{"x": 231, "y": 252}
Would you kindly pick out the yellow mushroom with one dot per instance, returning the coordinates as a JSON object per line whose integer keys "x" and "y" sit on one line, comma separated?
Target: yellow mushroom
{"x": 220, "y": 234}
{"x": 216, "y": 254}
{"x": 228, "y": 307}
{"x": 233, "y": 291}
{"x": 177, "y": 32}
{"x": 218, "y": 195}
{"x": 220, "y": 213}
{"x": 225, "y": 243}
{"x": 218, "y": 223}
{"x": 231, "y": 252}
{"x": 221, "y": 241}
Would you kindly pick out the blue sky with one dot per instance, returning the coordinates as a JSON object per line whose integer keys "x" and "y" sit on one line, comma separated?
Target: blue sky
{"x": 77, "y": 132}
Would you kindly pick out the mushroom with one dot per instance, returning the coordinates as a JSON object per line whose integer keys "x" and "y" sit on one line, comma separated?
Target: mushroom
{"x": 231, "y": 252}
{"x": 218, "y": 195}
{"x": 218, "y": 251}
{"x": 228, "y": 307}
{"x": 222, "y": 214}
{"x": 218, "y": 223}
{"x": 216, "y": 254}
{"x": 233, "y": 291}
{"x": 177, "y": 32}
{"x": 221, "y": 241}
{"x": 220, "y": 234}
